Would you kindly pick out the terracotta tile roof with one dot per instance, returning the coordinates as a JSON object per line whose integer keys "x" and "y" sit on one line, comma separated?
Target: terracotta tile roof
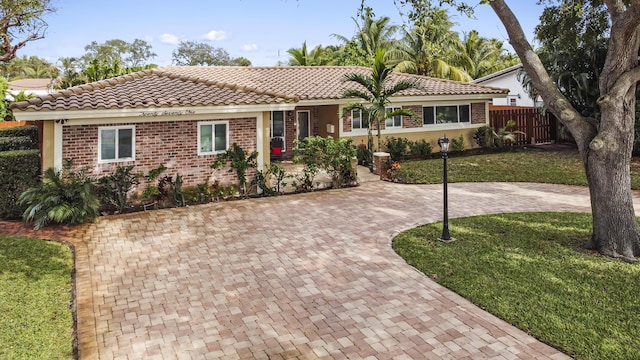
{"x": 212, "y": 86}
{"x": 320, "y": 82}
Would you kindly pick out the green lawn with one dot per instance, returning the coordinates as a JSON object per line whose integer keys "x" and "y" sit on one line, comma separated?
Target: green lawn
{"x": 529, "y": 269}
{"x": 36, "y": 320}
{"x": 523, "y": 165}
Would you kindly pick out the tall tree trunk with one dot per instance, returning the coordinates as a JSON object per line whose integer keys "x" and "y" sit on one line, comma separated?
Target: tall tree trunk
{"x": 605, "y": 147}
{"x": 607, "y": 165}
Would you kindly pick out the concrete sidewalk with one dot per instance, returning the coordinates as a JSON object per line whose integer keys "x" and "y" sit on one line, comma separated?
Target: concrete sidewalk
{"x": 302, "y": 276}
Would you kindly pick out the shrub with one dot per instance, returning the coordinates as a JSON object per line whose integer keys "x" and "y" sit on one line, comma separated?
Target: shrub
{"x": 17, "y": 143}
{"x": 397, "y": 148}
{"x": 157, "y": 192}
{"x": 63, "y": 197}
{"x": 486, "y": 136}
{"x": 30, "y": 131}
{"x": 364, "y": 155}
{"x": 19, "y": 170}
{"x": 240, "y": 161}
{"x": 115, "y": 188}
{"x": 334, "y": 156}
{"x": 201, "y": 193}
{"x": 275, "y": 172}
{"x": 458, "y": 144}
{"x": 420, "y": 148}
{"x": 176, "y": 191}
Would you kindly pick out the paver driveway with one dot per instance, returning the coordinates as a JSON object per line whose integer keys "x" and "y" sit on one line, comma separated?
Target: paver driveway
{"x": 303, "y": 276}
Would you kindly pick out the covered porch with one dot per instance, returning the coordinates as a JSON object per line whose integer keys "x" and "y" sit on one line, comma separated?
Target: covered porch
{"x": 287, "y": 126}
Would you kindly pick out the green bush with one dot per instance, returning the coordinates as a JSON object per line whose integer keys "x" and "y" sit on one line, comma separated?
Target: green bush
{"x": 420, "y": 148}
{"x": 458, "y": 144}
{"x": 30, "y": 131}
{"x": 19, "y": 170}
{"x": 115, "y": 188}
{"x": 17, "y": 143}
{"x": 334, "y": 156}
{"x": 199, "y": 194}
{"x": 239, "y": 160}
{"x": 63, "y": 197}
{"x": 365, "y": 156}
{"x": 276, "y": 173}
{"x": 398, "y": 148}
{"x": 486, "y": 136}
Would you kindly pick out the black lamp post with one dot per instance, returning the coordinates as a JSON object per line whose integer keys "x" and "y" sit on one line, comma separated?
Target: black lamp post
{"x": 443, "y": 142}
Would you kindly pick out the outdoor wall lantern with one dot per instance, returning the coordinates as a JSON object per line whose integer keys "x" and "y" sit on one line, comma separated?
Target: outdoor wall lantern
{"x": 443, "y": 142}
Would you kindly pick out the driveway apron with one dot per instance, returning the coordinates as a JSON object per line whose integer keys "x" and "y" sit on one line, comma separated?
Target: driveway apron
{"x": 293, "y": 277}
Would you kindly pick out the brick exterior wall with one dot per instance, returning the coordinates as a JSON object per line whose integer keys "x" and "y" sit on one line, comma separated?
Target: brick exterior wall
{"x": 478, "y": 113}
{"x": 346, "y": 123}
{"x": 415, "y": 120}
{"x": 172, "y": 143}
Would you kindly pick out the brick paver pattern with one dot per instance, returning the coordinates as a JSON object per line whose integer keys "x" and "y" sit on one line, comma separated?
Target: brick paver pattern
{"x": 308, "y": 276}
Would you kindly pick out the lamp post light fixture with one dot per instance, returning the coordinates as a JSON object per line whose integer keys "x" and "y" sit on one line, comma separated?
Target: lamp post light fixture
{"x": 443, "y": 142}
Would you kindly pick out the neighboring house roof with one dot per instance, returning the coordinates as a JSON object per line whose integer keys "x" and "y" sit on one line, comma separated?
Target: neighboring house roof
{"x": 213, "y": 86}
{"x": 30, "y": 84}
{"x": 507, "y": 71}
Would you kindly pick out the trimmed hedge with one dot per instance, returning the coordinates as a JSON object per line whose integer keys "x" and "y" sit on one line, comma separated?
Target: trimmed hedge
{"x": 17, "y": 143}
{"x": 30, "y": 131}
{"x": 19, "y": 170}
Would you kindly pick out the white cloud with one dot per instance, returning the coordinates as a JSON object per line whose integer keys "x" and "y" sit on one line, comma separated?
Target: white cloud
{"x": 214, "y": 35}
{"x": 169, "y": 39}
{"x": 249, "y": 47}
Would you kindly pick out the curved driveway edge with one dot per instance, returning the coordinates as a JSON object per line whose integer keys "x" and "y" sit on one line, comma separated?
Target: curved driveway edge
{"x": 293, "y": 277}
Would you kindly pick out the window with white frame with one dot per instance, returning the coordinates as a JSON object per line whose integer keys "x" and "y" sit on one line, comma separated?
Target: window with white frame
{"x": 116, "y": 143}
{"x": 446, "y": 114}
{"x": 213, "y": 137}
{"x": 394, "y": 121}
{"x": 358, "y": 120}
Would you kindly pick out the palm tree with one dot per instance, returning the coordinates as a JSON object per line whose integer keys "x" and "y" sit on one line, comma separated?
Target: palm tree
{"x": 429, "y": 48}
{"x": 376, "y": 90}
{"x": 300, "y": 57}
{"x": 70, "y": 76}
{"x": 371, "y": 34}
{"x": 100, "y": 70}
{"x": 480, "y": 56}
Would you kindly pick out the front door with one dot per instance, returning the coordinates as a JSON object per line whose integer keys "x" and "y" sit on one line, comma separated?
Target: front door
{"x": 304, "y": 125}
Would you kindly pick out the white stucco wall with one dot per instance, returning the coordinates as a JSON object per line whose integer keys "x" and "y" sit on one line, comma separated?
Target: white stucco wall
{"x": 517, "y": 92}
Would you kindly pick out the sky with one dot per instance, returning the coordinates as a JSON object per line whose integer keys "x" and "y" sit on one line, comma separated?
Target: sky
{"x": 260, "y": 30}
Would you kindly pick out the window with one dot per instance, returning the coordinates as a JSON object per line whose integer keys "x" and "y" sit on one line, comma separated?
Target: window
{"x": 213, "y": 137}
{"x": 447, "y": 114}
{"x": 116, "y": 143}
{"x": 357, "y": 120}
{"x": 394, "y": 121}
{"x": 277, "y": 123}
{"x": 277, "y": 127}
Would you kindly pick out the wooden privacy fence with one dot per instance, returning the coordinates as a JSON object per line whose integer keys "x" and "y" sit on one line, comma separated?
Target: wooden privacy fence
{"x": 4, "y": 124}
{"x": 536, "y": 127}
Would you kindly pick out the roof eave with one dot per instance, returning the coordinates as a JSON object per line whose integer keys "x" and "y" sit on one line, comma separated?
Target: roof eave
{"x": 147, "y": 112}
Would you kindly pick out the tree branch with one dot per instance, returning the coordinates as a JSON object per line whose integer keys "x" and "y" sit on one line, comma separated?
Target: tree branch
{"x": 621, "y": 87}
{"x": 622, "y": 54}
